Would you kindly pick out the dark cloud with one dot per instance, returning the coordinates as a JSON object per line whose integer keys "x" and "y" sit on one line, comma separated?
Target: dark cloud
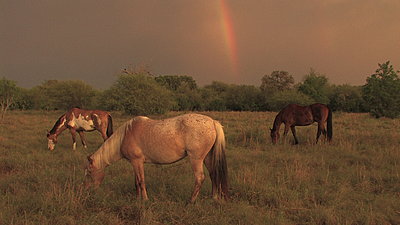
{"x": 93, "y": 40}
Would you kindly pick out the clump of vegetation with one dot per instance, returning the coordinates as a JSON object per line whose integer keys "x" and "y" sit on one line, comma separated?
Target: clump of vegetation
{"x": 140, "y": 92}
{"x": 137, "y": 94}
{"x": 382, "y": 92}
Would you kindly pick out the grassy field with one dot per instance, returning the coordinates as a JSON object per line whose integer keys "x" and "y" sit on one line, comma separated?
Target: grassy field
{"x": 354, "y": 180}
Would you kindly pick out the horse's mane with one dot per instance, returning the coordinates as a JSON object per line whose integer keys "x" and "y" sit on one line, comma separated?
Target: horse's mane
{"x": 110, "y": 152}
{"x": 57, "y": 124}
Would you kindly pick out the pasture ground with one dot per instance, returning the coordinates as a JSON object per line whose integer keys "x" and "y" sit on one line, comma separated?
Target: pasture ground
{"x": 354, "y": 180}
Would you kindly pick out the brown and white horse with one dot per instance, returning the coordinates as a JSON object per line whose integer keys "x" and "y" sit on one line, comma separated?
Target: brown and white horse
{"x": 295, "y": 115}
{"x": 79, "y": 120}
{"x": 143, "y": 140}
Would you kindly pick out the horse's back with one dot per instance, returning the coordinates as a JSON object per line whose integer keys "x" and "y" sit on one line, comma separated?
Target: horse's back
{"x": 185, "y": 127}
{"x": 294, "y": 114}
{"x": 305, "y": 115}
{"x": 87, "y": 120}
{"x": 198, "y": 130}
{"x": 169, "y": 140}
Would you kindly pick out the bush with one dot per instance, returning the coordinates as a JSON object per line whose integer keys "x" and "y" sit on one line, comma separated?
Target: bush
{"x": 54, "y": 94}
{"x": 184, "y": 88}
{"x": 23, "y": 100}
{"x": 281, "y": 99}
{"x": 138, "y": 94}
{"x": 243, "y": 98}
{"x": 382, "y": 92}
{"x": 214, "y": 96}
{"x": 316, "y": 86}
{"x": 347, "y": 98}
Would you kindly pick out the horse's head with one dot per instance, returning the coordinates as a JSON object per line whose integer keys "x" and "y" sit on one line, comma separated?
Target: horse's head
{"x": 51, "y": 141}
{"x": 274, "y": 135}
{"x": 93, "y": 175}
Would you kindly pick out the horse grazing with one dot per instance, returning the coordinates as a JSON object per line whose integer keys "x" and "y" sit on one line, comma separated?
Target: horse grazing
{"x": 143, "y": 140}
{"x": 79, "y": 120}
{"x": 295, "y": 115}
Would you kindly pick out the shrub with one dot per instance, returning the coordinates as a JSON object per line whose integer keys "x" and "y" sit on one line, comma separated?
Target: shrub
{"x": 138, "y": 94}
{"x": 382, "y": 92}
{"x": 280, "y": 99}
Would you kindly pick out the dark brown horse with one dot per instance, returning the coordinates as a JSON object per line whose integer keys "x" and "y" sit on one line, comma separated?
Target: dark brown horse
{"x": 295, "y": 115}
{"x": 79, "y": 120}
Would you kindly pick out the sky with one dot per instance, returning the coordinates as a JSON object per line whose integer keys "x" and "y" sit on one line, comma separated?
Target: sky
{"x": 232, "y": 41}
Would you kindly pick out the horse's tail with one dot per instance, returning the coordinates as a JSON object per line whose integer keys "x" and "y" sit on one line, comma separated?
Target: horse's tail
{"x": 219, "y": 171}
{"x": 329, "y": 124}
{"x": 109, "y": 126}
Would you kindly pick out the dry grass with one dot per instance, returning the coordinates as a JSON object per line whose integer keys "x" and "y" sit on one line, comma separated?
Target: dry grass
{"x": 354, "y": 180}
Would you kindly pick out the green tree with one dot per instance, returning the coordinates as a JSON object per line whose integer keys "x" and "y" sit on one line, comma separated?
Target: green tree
{"x": 8, "y": 91}
{"x": 74, "y": 93}
{"x": 243, "y": 98}
{"x": 138, "y": 94}
{"x": 23, "y": 99}
{"x": 188, "y": 99}
{"x": 277, "y": 81}
{"x": 347, "y": 98}
{"x": 43, "y": 96}
{"x": 316, "y": 86}
{"x": 382, "y": 92}
{"x": 175, "y": 82}
{"x": 214, "y": 96}
{"x": 185, "y": 91}
{"x": 281, "y": 99}
{"x": 54, "y": 94}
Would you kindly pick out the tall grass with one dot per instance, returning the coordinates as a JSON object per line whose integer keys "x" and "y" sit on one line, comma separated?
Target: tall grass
{"x": 353, "y": 180}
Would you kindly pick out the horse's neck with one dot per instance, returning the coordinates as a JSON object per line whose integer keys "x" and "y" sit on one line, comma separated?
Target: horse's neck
{"x": 60, "y": 130}
{"x": 110, "y": 151}
{"x": 106, "y": 156}
{"x": 59, "y": 126}
{"x": 277, "y": 123}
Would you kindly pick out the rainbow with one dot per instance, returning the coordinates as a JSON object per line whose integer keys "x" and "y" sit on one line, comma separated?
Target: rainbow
{"x": 229, "y": 36}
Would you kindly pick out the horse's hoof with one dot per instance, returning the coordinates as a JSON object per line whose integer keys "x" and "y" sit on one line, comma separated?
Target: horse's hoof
{"x": 189, "y": 202}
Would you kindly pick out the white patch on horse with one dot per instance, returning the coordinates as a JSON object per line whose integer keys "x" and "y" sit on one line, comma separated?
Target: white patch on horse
{"x": 61, "y": 124}
{"x": 50, "y": 144}
{"x": 81, "y": 122}
{"x": 98, "y": 118}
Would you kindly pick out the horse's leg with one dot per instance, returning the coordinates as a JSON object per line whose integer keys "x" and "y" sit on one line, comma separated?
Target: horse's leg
{"x": 137, "y": 186}
{"x": 197, "y": 166}
{"x": 82, "y": 136}
{"x": 294, "y": 135}
{"x": 140, "y": 184}
{"x": 320, "y": 129}
{"x": 285, "y": 132}
{"x": 73, "y": 134}
{"x": 103, "y": 134}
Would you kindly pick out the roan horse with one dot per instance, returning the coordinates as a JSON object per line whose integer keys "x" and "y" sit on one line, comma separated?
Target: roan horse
{"x": 143, "y": 140}
{"x": 79, "y": 120}
{"x": 296, "y": 115}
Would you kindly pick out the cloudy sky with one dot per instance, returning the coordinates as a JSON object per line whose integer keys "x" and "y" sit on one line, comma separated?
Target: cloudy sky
{"x": 233, "y": 41}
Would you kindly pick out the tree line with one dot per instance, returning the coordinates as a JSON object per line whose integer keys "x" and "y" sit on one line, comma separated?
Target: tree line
{"x": 141, "y": 93}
